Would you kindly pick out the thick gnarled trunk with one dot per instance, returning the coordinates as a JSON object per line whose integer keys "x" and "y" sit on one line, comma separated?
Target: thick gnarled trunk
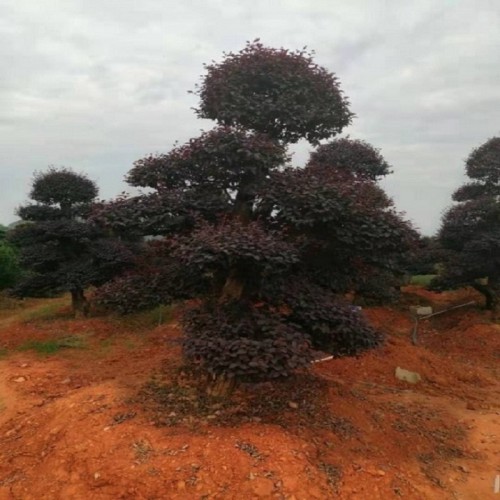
{"x": 220, "y": 386}
{"x": 492, "y": 297}
{"x": 80, "y": 303}
{"x": 233, "y": 287}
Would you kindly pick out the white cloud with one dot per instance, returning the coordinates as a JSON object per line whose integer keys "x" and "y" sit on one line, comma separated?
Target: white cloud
{"x": 97, "y": 84}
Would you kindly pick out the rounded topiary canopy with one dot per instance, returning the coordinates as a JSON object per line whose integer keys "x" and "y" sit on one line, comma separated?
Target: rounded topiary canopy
{"x": 470, "y": 230}
{"x": 281, "y": 93}
{"x": 351, "y": 155}
{"x": 62, "y": 186}
{"x": 483, "y": 167}
{"x": 483, "y": 163}
{"x": 219, "y": 158}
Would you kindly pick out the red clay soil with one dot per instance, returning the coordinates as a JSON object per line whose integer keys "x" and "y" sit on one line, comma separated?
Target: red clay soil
{"x": 115, "y": 416}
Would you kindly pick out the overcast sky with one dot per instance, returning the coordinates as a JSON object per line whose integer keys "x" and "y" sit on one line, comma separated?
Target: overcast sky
{"x": 98, "y": 84}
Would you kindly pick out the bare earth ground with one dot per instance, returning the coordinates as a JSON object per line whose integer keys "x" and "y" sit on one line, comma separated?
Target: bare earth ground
{"x": 114, "y": 416}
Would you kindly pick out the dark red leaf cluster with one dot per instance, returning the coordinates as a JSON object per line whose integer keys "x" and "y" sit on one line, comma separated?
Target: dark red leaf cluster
{"x": 218, "y": 159}
{"x": 345, "y": 227}
{"x": 244, "y": 342}
{"x": 208, "y": 177}
{"x": 264, "y": 246}
{"x": 232, "y": 243}
{"x": 157, "y": 278}
{"x": 281, "y": 93}
{"x": 352, "y": 156}
{"x": 135, "y": 292}
{"x": 145, "y": 215}
{"x": 332, "y": 325}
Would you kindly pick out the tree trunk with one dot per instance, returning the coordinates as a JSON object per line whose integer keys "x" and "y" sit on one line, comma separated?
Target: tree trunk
{"x": 80, "y": 303}
{"x": 491, "y": 295}
{"x": 220, "y": 386}
{"x": 66, "y": 207}
{"x": 244, "y": 200}
{"x": 494, "y": 286}
{"x": 233, "y": 287}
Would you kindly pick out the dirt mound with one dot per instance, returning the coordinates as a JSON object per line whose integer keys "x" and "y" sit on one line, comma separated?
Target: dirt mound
{"x": 115, "y": 415}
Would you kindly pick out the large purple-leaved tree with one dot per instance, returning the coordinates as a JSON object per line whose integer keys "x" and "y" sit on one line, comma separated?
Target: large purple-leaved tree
{"x": 268, "y": 249}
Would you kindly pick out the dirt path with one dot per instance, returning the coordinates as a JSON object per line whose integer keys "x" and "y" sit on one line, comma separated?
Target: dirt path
{"x": 8, "y": 398}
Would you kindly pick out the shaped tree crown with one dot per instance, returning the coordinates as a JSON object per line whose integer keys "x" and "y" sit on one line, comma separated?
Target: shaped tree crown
{"x": 281, "y": 93}
{"x": 62, "y": 186}
{"x": 483, "y": 167}
{"x": 219, "y": 158}
{"x": 351, "y": 155}
{"x": 483, "y": 163}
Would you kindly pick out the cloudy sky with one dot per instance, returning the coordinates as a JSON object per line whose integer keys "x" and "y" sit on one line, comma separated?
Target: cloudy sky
{"x": 97, "y": 84}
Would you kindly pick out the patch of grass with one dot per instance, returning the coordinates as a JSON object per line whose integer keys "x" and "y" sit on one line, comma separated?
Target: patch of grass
{"x": 8, "y": 303}
{"x": 249, "y": 449}
{"x": 45, "y": 312}
{"x": 422, "y": 279}
{"x": 48, "y": 347}
{"x": 142, "y": 450}
{"x": 148, "y": 319}
{"x": 130, "y": 344}
{"x": 3, "y": 352}
{"x": 108, "y": 344}
{"x": 333, "y": 474}
{"x": 105, "y": 345}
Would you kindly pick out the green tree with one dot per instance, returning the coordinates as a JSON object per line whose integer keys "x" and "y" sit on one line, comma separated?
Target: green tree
{"x": 9, "y": 263}
{"x": 470, "y": 229}
{"x": 59, "y": 248}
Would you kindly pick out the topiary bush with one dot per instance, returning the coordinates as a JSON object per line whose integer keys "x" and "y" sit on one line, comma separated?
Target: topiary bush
{"x": 332, "y": 325}
{"x": 61, "y": 250}
{"x": 132, "y": 292}
{"x": 265, "y": 248}
{"x": 470, "y": 229}
{"x": 243, "y": 342}
{"x": 278, "y": 92}
{"x": 351, "y": 156}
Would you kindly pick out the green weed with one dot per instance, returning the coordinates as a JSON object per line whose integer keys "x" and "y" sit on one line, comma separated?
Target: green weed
{"x": 130, "y": 344}
{"x": 422, "y": 279}
{"x": 48, "y": 347}
{"x": 105, "y": 345}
